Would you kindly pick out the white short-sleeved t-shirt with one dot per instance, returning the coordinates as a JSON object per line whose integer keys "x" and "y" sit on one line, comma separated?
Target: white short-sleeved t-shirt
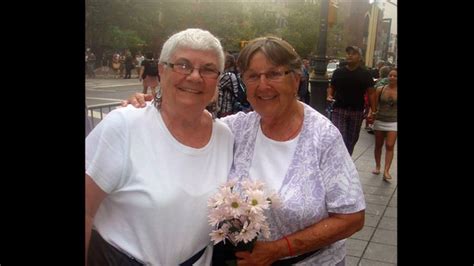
{"x": 156, "y": 209}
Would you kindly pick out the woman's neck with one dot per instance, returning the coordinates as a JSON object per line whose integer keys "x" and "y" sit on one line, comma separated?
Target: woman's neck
{"x": 193, "y": 129}
{"x": 284, "y": 127}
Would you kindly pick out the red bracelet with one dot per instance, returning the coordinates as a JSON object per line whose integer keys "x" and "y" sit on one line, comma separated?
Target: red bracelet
{"x": 289, "y": 246}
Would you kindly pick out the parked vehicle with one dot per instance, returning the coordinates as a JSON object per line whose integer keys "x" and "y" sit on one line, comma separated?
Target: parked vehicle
{"x": 330, "y": 68}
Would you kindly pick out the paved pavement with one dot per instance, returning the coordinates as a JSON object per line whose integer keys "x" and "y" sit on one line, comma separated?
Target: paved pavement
{"x": 376, "y": 243}
{"x": 102, "y": 83}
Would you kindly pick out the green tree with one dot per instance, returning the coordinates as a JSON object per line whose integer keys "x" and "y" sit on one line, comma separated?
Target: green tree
{"x": 122, "y": 39}
{"x": 146, "y": 24}
{"x": 302, "y": 30}
{"x": 117, "y": 24}
{"x": 336, "y": 41}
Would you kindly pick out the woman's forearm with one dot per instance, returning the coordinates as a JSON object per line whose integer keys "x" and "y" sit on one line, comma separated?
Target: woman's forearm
{"x": 325, "y": 232}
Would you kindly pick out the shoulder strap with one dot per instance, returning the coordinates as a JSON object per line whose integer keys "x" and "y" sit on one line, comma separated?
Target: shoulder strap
{"x": 380, "y": 95}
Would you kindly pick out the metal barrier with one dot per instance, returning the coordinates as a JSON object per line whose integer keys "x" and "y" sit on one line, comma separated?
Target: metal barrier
{"x": 99, "y": 108}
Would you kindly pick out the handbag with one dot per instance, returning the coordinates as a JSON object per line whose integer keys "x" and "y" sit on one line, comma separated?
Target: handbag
{"x": 101, "y": 253}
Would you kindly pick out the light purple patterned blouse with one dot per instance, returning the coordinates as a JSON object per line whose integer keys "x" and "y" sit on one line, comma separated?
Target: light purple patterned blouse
{"x": 321, "y": 178}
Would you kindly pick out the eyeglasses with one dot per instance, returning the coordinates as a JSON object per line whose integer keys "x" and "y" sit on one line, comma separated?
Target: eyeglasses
{"x": 187, "y": 69}
{"x": 274, "y": 76}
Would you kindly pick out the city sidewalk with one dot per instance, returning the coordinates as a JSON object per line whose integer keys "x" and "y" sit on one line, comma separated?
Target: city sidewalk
{"x": 99, "y": 82}
{"x": 376, "y": 243}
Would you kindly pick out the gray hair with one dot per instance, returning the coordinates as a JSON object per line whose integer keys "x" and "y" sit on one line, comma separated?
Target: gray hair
{"x": 196, "y": 39}
{"x": 278, "y": 51}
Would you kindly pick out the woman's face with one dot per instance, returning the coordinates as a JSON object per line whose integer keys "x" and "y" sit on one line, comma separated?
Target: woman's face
{"x": 192, "y": 90}
{"x": 392, "y": 77}
{"x": 273, "y": 93}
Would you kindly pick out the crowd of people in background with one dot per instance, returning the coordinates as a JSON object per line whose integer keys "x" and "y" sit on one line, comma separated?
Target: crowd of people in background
{"x": 124, "y": 64}
{"x": 90, "y": 63}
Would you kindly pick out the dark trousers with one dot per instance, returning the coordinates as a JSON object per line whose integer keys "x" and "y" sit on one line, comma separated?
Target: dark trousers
{"x": 128, "y": 72}
{"x": 349, "y": 123}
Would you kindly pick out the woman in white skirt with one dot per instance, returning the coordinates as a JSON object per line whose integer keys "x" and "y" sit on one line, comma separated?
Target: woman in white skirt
{"x": 385, "y": 125}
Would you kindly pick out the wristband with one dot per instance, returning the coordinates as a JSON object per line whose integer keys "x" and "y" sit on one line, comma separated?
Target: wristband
{"x": 289, "y": 246}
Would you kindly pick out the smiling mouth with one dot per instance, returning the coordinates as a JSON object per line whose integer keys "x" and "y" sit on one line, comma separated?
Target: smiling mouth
{"x": 266, "y": 97}
{"x": 189, "y": 90}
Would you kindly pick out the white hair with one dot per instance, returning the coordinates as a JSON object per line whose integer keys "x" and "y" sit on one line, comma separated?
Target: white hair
{"x": 196, "y": 39}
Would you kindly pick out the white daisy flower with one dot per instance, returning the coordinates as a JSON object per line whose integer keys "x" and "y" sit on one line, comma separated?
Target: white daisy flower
{"x": 257, "y": 201}
{"x": 236, "y": 212}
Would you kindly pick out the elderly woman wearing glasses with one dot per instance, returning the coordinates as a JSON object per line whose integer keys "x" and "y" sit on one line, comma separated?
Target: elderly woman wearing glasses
{"x": 146, "y": 187}
{"x": 297, "y": 152}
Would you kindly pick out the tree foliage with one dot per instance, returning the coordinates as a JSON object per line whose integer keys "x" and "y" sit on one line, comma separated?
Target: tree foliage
{"x": 303, "y": 28}
{"x": 146, "y": 24}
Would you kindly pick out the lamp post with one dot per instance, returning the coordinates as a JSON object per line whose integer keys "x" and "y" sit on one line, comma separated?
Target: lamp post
{"x": 319, "y": 82}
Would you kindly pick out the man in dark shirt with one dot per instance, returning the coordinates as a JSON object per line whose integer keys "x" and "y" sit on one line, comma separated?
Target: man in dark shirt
{"x": 347, "y": 88}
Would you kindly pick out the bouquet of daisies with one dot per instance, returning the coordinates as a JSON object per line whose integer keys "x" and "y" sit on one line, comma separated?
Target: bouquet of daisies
{"x": 237, "y": 212}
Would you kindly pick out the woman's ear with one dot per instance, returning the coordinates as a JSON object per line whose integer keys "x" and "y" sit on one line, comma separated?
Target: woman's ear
{"x": 216, "y": 94}
{"x": 160, "y": 69}
{"x": 297, "y": 80}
